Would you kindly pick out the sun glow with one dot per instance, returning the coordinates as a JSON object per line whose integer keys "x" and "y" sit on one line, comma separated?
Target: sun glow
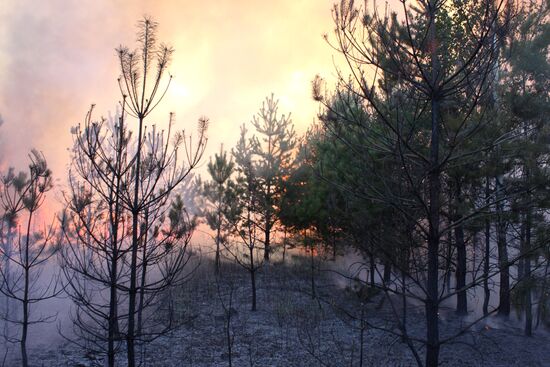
{"x": 227, "y": 59}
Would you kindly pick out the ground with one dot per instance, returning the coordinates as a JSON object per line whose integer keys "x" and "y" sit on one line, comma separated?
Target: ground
{"x": 292, "y": 328}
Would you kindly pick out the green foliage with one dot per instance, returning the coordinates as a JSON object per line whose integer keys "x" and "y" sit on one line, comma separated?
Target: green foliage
{"x": 219, "y": 192}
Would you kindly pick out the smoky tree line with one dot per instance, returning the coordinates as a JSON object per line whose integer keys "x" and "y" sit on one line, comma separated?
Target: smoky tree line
{"x": 432, "y": 155}
{"x": 429, "y": 158}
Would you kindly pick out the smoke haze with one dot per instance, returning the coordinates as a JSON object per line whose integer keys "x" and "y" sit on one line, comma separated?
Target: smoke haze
{"x": 58, "y": 57}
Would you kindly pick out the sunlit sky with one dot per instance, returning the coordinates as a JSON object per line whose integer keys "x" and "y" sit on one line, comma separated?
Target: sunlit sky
{"x": 57, "y": 57}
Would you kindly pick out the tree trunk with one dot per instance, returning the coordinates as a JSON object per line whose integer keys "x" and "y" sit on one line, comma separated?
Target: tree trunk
{"x": 228, "y": 335}
{"x": 372, "y": 270}
{"x": 218, "y": 236}
{"x": 448, "y": 262}
{"x": 362, "y": 327}
{"x": 267, "y": 244}
{"x": 487, "y": 252}
{"x": 130, "y": 345}
{"x": 387, "y": 271}
{"x": 113, "y": 322}
{"x": 112, "y": 314}
{"x": 434, "y": 182}
{"x": 26, "y": 269}
{"x": 461, "y": 296}
{"x": 432, "y": 299}
{"x": 333, "y": 233}
{"x": 253, "y": 279}
{"x": 475, "y": 247}
{"x": 113, "y": 329}
{"x": 144, "y": 240}
{"x": 312, "y": 265}
{"x": 404, "y": 301}
{"x": 543, "y": 295}
{"x": 284, "y": 246}
{"x": 504, "y": 291}
{"x": 7, "y": 263}
{"x": 527, "y": 270}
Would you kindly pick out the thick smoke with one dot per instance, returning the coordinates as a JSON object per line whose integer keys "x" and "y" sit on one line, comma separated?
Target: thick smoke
{"x": 58, "y": 57}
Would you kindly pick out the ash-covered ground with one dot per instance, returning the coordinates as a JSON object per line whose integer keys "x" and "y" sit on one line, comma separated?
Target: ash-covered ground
{"x": 339, "y": 326}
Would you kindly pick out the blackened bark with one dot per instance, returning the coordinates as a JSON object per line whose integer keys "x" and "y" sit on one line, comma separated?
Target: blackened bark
{"x": 461, "y": 297}
{"x": 527, "y": 270}
{"x": 487, "y": 252}
{"x": 434, "y": 182}
{"x": 130, "y": 337}
{"x": 253, "y": 278}
{"x": 432, "y": 299}
{"x": 387, "y": 271}
{"x": 143, "y": 275}
{"x": 26, "y": 302}
{"x": 502, "y": 246}
{"x": 372, "y": 269}
{"x": 218, "y": 235}
{"x": 267, "y": 248}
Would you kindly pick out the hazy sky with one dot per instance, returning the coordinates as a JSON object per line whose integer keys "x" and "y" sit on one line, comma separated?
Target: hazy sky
{"x": 57, "y": 57}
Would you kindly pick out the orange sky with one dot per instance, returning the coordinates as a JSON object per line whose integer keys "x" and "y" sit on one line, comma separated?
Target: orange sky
{"x": 57, "y": 57}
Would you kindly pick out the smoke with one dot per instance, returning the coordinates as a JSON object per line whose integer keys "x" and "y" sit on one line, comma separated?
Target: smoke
{"x": 58, "y": 58}
{"x": 1, "y": 144}
{"x": 55, "y": 59}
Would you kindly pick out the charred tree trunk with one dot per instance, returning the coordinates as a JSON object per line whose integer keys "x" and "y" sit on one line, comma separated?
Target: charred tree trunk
{"x": 130, "y": 337}
{"x": 404, "y": 301}
{"x": 527, "y": 270}
{"x": 449, "y": 261}
{"x": 502, "y": 245}
{"x": 268, "y": 215}
{"x": 284, "y": 246}
{"x": 113, "y": 303}
{"x": 434, "y": 182}
{"x": 312, "y": 264}
{"x": 487, "y": 252}
{"x": 432, "y": 299}
{"x": 372, "y": 270}
{"x": 113, "y": 322}
{"x": 143, "y": 280}
{"x": 461, "y": 297}
{"x": 253, "y": 278}
{"x": 25, "y": 300}
{"x": 387, "y": 271}
{"x": 333, "y": 235}
{"x": 218, "y": 236}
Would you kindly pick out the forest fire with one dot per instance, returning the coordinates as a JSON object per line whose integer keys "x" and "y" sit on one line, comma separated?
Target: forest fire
{"x": 406, "y": 225}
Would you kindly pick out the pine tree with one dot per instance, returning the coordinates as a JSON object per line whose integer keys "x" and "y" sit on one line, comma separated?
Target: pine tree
{"x": 22, "y": 196}
{"x": 246, "y": 219}
{"x": 273, "y": 150}
{"x": 408, "y": 73}
{"x": 219, "y": 193}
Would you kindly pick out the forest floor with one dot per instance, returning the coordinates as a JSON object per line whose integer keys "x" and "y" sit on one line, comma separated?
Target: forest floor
{"x": 292, "y": 328}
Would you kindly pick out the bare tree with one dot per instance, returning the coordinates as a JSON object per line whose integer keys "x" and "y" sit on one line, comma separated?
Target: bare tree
{"x": 26, "y": 250}
{"x": 95, "y": 228}
{"x": 124, "y": 189}
{"x": 226, "y": 288}
{"x": 156, "y": 171}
